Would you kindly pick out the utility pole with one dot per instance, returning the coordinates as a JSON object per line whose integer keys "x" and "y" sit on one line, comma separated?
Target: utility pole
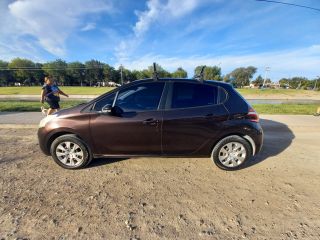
{"x": 121, "y": 74}
{"x": 267, "y": 69}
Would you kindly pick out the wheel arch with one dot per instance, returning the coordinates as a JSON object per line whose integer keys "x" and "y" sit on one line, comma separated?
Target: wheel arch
{"x": 55, "y": 135}
{"x": 244, "y": 136}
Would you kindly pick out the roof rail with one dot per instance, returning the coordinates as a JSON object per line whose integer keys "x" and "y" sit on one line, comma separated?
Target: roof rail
{"x": 199, "y": 76}
{"x": 155, "y": 75}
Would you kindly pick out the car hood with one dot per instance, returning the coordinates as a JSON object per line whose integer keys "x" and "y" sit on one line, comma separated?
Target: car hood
{"x": 71, "y": 110}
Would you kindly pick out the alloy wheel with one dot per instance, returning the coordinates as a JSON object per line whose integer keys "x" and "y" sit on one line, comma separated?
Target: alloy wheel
{"x": 232, "y": 154}
{"x": 70, "y": 154}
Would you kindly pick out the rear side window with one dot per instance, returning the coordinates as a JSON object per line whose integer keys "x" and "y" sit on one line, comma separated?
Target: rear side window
{"x": 186, "y": 95}
{"x": 222, "y": 95}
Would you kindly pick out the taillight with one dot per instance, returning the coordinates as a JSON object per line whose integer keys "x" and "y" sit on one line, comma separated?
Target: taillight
{"x": 252, "y": 115}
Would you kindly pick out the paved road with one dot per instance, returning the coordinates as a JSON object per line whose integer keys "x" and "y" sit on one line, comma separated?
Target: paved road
{"x": 20, "y": 117}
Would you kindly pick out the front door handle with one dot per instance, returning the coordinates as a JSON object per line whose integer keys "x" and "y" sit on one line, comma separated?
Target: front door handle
{"x": 209, "y": 116}
{"x": 150, "y": 122}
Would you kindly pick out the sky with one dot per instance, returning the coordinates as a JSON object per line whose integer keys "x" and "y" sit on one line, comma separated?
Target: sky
{"x": 173, "y": 33}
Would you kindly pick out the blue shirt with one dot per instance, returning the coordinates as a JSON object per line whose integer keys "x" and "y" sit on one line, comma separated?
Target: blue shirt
{"x": 51, "y": 91}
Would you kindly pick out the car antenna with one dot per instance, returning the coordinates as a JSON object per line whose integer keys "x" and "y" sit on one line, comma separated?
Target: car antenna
{"x": 155, "y": 73}
{"x": 199, "y": 76}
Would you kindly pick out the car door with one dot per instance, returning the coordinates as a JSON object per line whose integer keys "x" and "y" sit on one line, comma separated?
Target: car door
{"x": 193, "y": 118}
{"x": 136, "y": 128}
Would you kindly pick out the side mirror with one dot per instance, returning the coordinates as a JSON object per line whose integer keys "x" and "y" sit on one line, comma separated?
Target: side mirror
{"x": 116, "y": 111}
{"x": 107, "y": 108}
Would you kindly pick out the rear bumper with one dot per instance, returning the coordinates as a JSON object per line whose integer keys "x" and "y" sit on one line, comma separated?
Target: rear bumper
{"x": 258, "y": 139}
{"x": 254, "y": 135}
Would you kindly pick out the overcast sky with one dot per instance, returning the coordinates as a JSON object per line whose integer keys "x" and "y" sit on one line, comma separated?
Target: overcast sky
{"x": 173, "y": 33}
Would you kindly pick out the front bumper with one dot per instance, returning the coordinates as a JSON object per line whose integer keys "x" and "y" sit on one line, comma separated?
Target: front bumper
{"x": 43, "y": 141}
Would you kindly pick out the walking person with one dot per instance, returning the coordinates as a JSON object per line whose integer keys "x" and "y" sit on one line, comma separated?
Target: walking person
{"x": 51, "y": 94}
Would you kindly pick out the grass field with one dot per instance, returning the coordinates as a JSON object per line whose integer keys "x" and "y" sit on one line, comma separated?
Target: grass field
{"x": 295, "y": 109}
{"x": 255, "y": 91}
{"x": 67, "y": 90}
{"x": 100, "y": 90}
{"x": 32, "y": 106}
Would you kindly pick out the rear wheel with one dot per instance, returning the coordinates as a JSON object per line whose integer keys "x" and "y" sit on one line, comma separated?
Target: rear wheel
{"x": 70, "y": 152}
{"x": 231, "y": 153}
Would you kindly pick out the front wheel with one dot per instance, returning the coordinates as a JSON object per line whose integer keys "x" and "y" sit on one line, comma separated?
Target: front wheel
{"x": 70, "y": 152}
{"x": 231, "y": 153}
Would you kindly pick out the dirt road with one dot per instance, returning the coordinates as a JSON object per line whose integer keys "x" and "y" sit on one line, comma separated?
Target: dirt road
{"x": 276, "y": 197}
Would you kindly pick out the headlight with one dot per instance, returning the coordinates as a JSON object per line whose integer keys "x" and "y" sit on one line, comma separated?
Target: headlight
{"x": 47, "y": 119}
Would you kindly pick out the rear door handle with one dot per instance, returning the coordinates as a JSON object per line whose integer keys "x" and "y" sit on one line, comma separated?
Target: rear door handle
{"x": 150, "y": 122}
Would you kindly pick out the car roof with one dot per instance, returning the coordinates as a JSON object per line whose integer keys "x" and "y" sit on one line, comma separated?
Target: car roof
{"x": 192, "y": 80}
{"x": 211, "y": 82}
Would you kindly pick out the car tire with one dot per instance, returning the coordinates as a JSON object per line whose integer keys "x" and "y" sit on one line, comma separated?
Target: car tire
{"x": 231, "y": 153}
{"x": 70, "y": 152}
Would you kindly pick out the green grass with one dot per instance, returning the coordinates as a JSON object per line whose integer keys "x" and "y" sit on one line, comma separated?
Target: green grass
{"x": 297, "y": 109}
{"x": 32, "y": 106}
{"x": 67, "y": 90}
{"x": 268, "y": 92}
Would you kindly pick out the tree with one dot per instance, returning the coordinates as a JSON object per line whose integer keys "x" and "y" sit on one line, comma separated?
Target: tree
{"x": 136, "y": 75}
{"x": 296, "y": 82}
{"x": 258, "y": 81}
{"x": 58, "y": 70}
{"x": 76, "y": 73}
{"x": 227, "y": 78}
{"x": 144, "y": 74}
{"x": 299, "y": 82}
{"x": 210, "y": 72}
{"x": 94, "y": 72}
{"x": 180, "y": 73}
{"x": 5, "y": 74}
{"x": 314, "y": 84}
{"x": 284, "y": 82}
{"x": 111, "y": 74}
{"x": 127, "y": 75}
{"x": 241, "y": 76}
{"x": 162, "y": 73}
{"x": 38, "y": 74}
{"x": 22, "y": 70}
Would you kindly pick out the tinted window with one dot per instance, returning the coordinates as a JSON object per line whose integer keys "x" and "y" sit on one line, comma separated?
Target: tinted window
{"x": 222, "y": 95}
{"x": 142, "y": 97}
{"x": 107, "y": 100}
{"x": 187, "y": 95}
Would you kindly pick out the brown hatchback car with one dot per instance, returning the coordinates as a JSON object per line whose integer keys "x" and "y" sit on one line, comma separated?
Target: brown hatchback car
{"x": 162, "y": 117}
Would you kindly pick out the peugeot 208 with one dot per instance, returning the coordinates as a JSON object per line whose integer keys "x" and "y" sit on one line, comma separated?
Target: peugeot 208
{"x": 163, "y": 117}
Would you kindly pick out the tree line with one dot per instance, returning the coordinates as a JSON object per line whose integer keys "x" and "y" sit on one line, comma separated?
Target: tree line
{"x": 93, "y": 72}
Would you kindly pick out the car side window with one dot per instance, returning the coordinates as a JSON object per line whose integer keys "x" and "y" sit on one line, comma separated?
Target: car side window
{"x": 186, "y": 95}
{"x": 107, "y": 100}
{"x": 142, "y": 97}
